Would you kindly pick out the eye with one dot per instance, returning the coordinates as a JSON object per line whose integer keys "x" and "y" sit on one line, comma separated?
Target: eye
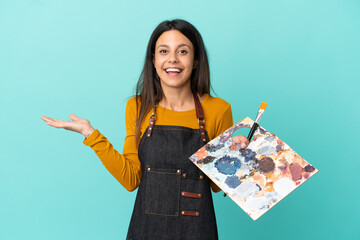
{"x": 183, "y": 51}
{"x": 162, "y": 51}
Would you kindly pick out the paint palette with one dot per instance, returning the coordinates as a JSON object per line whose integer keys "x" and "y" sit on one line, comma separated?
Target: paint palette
{"x": 257, "y": 177}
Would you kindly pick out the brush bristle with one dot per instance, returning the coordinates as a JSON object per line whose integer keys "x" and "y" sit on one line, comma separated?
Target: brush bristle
{"x": 263, "y": 105}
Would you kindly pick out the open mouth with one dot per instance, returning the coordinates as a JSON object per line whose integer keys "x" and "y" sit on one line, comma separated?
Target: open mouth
{"x": 173, "y": 70}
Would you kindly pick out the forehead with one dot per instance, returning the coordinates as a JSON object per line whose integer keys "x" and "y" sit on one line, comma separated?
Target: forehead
{"x": 173, "y": 38}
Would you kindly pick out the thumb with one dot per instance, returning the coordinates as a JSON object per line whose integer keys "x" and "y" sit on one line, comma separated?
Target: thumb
{"x": 73, "y": 117}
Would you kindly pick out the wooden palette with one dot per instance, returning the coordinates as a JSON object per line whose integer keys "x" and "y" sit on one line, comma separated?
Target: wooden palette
{"x": 255, "y": 178}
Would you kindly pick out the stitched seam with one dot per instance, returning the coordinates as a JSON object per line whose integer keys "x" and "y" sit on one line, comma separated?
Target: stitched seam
{"x": 161, "y": 214}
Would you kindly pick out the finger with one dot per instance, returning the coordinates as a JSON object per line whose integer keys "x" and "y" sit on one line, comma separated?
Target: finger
{"x": 236, "y": 139}
{"x": 55, "y": 124}
{"x": 49, "y": 119}
{"x": 46, "y": 118}
{"x": 64, "y": 124}
{"x": 244, "y": 141}
{"x": 73, "y": 117}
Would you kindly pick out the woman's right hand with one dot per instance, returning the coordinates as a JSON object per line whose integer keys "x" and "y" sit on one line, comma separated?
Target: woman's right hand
{"x": 80, "y": 125}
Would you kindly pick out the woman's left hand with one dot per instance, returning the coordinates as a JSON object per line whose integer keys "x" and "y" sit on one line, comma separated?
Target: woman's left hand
{"x": 242, "y": 140}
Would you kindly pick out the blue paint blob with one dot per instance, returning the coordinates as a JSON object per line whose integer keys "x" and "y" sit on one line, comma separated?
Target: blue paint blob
{"x": 267, "y": 150}
{"x": 270, "y": 138}
{"x": 248, "y": 154}
{"x": 232, "y": 181}
{"x": 228, "y": 165}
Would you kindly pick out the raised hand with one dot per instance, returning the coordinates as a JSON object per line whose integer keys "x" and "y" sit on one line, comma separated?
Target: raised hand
{"x": 80, "y": 125}
{"x": 242, "y": 140}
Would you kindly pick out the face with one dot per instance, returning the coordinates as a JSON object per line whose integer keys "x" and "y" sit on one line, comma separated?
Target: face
{"x": 174, "y": 59}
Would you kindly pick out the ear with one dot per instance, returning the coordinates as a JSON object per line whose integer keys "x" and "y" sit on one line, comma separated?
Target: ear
{"x": 195, "y": 64}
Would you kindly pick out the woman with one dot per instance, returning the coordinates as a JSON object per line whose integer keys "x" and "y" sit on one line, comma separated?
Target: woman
{"x": 170, "y": 118}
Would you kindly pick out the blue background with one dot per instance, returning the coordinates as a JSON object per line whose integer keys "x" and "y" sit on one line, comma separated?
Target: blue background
{"x": 84, "y": 57}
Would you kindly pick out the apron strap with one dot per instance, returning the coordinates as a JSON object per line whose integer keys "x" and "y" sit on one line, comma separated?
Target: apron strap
{"x": 151, "y": 122}
{"x": 199, "y": 115}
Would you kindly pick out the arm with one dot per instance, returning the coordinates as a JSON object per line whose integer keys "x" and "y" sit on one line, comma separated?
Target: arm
{"x": 126, "y": 167}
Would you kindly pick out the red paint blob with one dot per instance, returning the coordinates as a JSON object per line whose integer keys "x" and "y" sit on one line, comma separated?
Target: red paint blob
{"x": 296, "y": 171}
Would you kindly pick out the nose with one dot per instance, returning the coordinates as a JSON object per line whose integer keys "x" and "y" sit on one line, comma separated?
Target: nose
{"x": 173, "y": 57}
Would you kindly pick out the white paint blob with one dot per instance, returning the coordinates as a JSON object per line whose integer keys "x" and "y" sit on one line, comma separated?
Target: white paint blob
{"x": 247, "y": 189}
{"x": 284, "y": 186}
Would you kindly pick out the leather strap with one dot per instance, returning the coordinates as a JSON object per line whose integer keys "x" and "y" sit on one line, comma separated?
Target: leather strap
{"x": 199, "y": 110}
{"x": 151, "y": 122}
{"x": 190, "y": 213}
{"x": 191, "y": 195}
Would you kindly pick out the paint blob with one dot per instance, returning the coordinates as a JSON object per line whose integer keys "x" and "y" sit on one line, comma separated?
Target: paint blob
{"x": 266, "y": 165}
{"x": 309, "y": 168}
{"x": 267, "y": 150}
{"x": 270, "y": 138}
{"x": 207, "y": 159}
{"x": 248, "y": 154}
{"x": 213, "y": 148}
{"x": 284, "y": 186}
{"x": 296, "y": 171}
{"x": 247, "y": 189}
{"x": 232, "y": 181}
{"x": 228, "y": 165}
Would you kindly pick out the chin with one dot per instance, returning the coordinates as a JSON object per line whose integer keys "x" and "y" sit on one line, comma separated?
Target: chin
{"x": 173, "y": 83}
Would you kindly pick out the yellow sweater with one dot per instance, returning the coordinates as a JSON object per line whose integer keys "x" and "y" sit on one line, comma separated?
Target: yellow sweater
{"x": 126, "y": 167}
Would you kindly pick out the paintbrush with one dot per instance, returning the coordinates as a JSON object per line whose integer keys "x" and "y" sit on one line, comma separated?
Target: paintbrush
{"x": 256, "y": 125}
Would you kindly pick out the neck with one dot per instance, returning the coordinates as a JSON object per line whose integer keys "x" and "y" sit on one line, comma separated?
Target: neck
{"x": 177, "y": 99}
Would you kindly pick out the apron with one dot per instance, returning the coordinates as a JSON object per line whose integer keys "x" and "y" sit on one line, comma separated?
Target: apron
{"x": 174, "y": 199}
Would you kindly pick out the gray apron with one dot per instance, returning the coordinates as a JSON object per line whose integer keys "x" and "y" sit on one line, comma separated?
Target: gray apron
{"x": 174, "y": 199}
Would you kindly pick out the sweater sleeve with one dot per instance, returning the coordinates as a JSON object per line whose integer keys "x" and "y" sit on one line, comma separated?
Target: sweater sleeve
{"x": 224, "y": 122}
{"x": 126, "y": 167}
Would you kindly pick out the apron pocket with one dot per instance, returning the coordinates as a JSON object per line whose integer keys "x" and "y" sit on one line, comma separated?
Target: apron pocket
{"x": 162, "y": 191}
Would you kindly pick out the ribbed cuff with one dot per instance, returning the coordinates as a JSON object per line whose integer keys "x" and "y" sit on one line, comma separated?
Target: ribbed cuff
{"x": 89, "y": 141}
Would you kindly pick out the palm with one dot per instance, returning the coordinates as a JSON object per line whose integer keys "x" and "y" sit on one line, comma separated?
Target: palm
{"x": 77, "y": 124}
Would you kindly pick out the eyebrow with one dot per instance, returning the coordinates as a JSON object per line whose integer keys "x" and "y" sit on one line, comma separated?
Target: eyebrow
{"x": 180, "y": 45}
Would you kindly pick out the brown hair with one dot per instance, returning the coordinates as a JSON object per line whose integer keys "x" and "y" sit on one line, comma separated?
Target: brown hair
{"x": 148, "y": 88}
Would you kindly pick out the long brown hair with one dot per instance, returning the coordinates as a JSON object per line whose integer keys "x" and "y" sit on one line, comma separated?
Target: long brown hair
{"x": 148, "y": 88}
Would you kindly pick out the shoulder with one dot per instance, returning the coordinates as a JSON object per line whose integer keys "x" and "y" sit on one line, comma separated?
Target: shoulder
{"x": 131, "y": 104}
{"x": 215, "y": 104}
{"x": 217, "y": 109}
{"x": 130, "y": 110}
{"x": 218, "y": 115}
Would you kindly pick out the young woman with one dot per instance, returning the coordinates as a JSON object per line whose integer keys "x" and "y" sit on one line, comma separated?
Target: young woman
{"x": 170, "y": 118}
